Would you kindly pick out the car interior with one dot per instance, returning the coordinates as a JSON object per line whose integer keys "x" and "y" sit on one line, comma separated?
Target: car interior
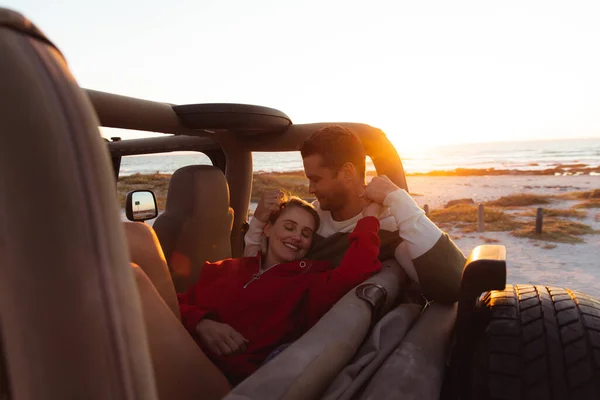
{"x": 68, "y": 256}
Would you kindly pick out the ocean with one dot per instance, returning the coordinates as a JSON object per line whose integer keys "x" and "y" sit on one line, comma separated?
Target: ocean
{"x": 523, "y": 155}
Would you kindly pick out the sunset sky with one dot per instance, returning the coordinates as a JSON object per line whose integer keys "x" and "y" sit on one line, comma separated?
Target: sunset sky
{"x": 424, "y": 72}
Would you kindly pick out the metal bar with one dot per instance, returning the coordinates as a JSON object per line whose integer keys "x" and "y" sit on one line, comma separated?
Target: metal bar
{"x": 116, "y": 111}
{"x": 162, "y": 144}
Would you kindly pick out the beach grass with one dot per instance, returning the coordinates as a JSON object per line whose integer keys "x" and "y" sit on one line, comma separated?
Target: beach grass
{"x": 581, "y": 195}
{"x": 489, "y": 239}
{"x": 520, "y": 200}
{"x": 557, "y": 230}
{"x": 591, "y": 203}
{"x": 464, "y": 217}
{"x": 292, "y": 183}
{"x": 556, "y": 212}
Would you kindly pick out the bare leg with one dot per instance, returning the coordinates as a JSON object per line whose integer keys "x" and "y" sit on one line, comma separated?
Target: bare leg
{"x": 145, "y": 251}
{"x": 182, "y": 371}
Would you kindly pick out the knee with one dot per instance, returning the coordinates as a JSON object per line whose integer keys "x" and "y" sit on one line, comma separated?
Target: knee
{"x": 139, "y": 275}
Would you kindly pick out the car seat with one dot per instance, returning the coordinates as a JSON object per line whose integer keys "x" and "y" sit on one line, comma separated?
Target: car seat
{"x": 196, "y": 225}
{"x": 71, "y": 325}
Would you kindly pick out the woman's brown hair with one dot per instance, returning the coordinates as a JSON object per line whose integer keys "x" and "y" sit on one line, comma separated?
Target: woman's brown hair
{"x": 293, "y": 201}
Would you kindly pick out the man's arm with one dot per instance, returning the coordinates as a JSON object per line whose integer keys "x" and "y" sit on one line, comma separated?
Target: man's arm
{"x": 419, "y": 233}
{"x": 436, "y": 262}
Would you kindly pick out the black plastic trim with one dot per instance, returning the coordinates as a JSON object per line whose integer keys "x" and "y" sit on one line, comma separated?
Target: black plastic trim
{"x": 245, "y": 118}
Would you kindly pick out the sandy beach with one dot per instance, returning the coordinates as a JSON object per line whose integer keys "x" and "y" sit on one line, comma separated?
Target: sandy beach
{"x": 436, "y": 191}
{"x": 576, "y": 266}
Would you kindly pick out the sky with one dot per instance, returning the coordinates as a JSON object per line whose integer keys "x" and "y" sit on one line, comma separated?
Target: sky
{"x": 426, "y": 72}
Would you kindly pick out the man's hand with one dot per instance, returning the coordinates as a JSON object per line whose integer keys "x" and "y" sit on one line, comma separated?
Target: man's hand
{"x": 221, "y": 338}
{"x": 268, "y": 204}
{"x": 378, "y": 189}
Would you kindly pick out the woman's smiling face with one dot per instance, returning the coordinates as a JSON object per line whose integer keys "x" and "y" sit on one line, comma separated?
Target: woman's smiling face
{"x": 290, "y": 236}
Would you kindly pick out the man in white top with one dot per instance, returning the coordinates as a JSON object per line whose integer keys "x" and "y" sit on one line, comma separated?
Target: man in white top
{"x": 334, "y": 163}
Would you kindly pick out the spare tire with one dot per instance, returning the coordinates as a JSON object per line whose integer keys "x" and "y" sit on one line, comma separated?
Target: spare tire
{"x": 537, "y": 342}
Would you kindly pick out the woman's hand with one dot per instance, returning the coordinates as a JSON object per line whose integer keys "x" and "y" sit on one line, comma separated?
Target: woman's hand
{"x": 375, "y": 193}
{"x": 268, "y": 204}
{"x": 372, "y": 209}
{"x": 221, "y": 338}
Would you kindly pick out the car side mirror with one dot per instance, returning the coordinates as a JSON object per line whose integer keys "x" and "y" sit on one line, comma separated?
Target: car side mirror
{"x": 140, "y": 205}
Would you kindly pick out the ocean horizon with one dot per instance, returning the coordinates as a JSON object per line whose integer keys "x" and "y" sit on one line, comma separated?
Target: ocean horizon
{"x": 517, "y": 155}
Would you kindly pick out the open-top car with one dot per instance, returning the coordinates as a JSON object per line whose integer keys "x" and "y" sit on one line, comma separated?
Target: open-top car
{"x": 71, "y": 321}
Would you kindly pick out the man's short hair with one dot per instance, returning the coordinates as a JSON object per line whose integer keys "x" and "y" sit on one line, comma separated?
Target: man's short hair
{"x": 337, "y": 146}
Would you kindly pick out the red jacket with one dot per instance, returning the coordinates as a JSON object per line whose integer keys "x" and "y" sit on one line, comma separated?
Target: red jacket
{"x": 278, "y": 305}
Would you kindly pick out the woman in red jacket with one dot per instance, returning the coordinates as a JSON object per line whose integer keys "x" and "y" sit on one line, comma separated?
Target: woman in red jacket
{"x": 241, "y": 309}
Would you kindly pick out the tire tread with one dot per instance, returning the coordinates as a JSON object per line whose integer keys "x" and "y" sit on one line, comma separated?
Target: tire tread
{"x": 541, "y": 341}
